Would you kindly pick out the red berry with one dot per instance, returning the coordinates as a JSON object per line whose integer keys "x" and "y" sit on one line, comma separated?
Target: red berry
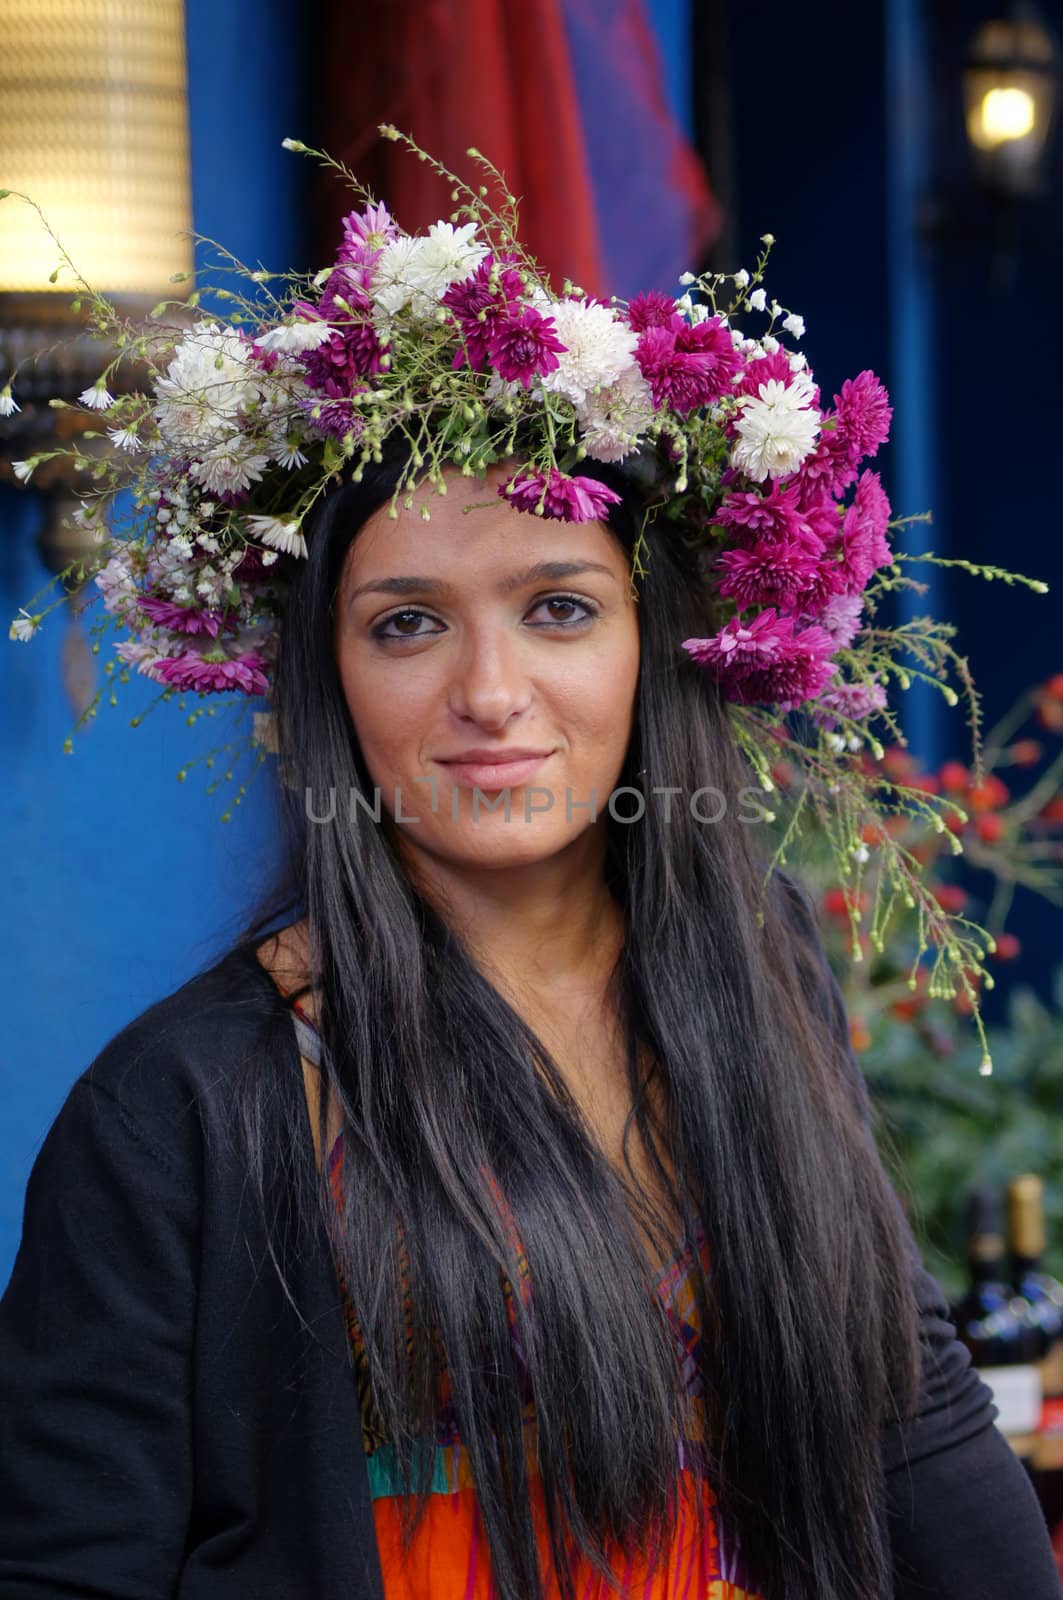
{"x": 1008, "y": 947}
{"x": 954, "y": 776}
{"x": 990, "y": 827}
{"x": 1026, "y": 752}
{"x": 950, "y": 897}
{"x": 1054, "y": 686}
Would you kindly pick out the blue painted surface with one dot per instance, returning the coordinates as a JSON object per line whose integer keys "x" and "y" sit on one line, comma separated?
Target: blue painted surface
{"x": 913, "y": 339}
{"x": 121, "y": 882}
{"x": 671, "y": 22}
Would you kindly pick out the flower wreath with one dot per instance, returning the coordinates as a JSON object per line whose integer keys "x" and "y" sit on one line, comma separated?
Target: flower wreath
{"x": 455, "y": 340}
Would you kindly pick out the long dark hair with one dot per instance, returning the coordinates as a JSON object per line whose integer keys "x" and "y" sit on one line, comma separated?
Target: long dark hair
{"x": 810, "y": 1329}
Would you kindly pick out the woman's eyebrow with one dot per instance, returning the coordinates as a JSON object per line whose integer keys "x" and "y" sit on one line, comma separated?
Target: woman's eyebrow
{"x": 542, "y": 570}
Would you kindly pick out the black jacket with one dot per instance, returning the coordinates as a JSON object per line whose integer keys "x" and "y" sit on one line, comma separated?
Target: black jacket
{"x": 171, "y": 1426}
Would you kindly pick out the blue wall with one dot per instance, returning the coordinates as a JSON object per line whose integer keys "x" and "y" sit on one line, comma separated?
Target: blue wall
{"x": 122, "y": 882}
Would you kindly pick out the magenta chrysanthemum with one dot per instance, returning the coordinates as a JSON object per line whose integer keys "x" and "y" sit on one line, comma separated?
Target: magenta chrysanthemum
{"x": 686, "y": 366}
{"x": 562, "y": 498}
{"x": 774, "y": 517}
{"x": 524, "y": 345}
{"x": 355, "y": 349}
{"x": 768, "y": 575}
{"x": 479, "y": 303}
{"x": 864, "y": 415}
{"x": 863, "y": 546}
{"x": 199, "y": 674}
{"x": 767, "y": 660}
{"x": 829, "y": 469}
{"x": 181, "y": 619}
{"x": 775, "y": 365}
{"x": 652, "y": 310}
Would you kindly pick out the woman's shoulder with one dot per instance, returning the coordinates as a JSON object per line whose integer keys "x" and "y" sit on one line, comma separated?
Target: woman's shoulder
{"x": 179, "y": 1057}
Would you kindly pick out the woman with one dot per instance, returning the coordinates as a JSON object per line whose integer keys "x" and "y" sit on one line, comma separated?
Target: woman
{"x": 596, "y": 1213}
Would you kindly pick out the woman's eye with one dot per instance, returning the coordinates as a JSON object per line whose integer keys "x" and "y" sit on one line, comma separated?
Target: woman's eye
{"x": 403, "y": 617}
{"x": 566, "y": 603}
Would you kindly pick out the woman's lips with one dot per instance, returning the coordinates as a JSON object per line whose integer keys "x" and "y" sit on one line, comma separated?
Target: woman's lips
{"x": 494, "y": 774}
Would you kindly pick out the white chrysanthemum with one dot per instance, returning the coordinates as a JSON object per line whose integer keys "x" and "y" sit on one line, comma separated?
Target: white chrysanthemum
{"x": 126, "y": 439}
{"x": 281, "y": 533}
{"x": 228, "y": 468}
{"x": 98, "y": 398}
{"x": 23, "y": 470}
{"x": 598, "y": 348}
{"x": 207, "y": 387}
{"x": 8, "y": 404}
{"x": 24, "y": 626}
{"x": 295, "y": 337}
{"x": 777, "y": 429}
{"x": 417, "y": 272}
{"x": 612, "y": 420}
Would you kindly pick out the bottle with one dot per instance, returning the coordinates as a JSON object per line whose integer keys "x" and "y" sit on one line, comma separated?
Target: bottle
{"x": 995, "y": 1325}
{"x": 1044, "y": 1294}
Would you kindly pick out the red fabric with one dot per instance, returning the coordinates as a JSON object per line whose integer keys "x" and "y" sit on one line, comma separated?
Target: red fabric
{"x": 456, "y": 73}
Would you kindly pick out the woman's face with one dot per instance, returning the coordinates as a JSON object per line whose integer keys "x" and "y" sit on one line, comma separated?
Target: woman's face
{"x": 477, "y": 634}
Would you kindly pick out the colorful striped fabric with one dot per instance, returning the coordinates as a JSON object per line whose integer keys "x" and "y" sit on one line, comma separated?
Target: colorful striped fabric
{"x": 449, "y": 1556}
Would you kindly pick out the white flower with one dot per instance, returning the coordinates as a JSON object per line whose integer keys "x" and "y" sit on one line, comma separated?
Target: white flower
{"x": 687, "y": 278}
{"x": 206, "y": 388}
{"x": 228, "y": 468}
{"x": 777, "y": 429}
{"x": 295, "y": 337}
{"x": 798, "y": 362}
{"x": 126, "y": 439}
{"x": 98, "y": 397}
{"x": 612, "y": 420}
{"x": 269, "y": 557}
{"x": 835, "y": 742}
{"x": 23, "y": 470}
{"x": 742, "y": 278}
{"x": 289, "y": 455}
{"x": 598, "y": 348}
{"x": 795, "y": 325}
{"x": 281, "y": 533}
{"x": 115, "y": 583}
{"x": 417, "y": 271}
{"x": 758, "y": 300}
{"x": 24, "y": 626}
{"x": 8, "y": 404}
{"x": 770, "y": 344}
{"x": 767, "y": 238}
{"x": 861, "y": 853}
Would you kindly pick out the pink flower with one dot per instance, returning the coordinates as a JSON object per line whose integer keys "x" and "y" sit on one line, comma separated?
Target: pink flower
{"x": 768, "y": 575}
{"x": 479, "y": 303}
{"x": 523, "y": 346}
{"x": 181, "y": 619}
{"x": 841, "y": 618}
{"x": 214, "y": 673}
{"x": 852, "y": 700}
{"x": 566, "y": 499}
{"x": 829, "y": 469}
{"x": 763, "y": 368}
{"x": 864, "y": 415}
{"x": 687, "y": 367}
{"x": 355, "y": 349}
{"x": 652, "y": 310}
{"x": 767, "y": 660}
{"x": 365, "y": 232}
{"x": 774, "y": 517}
{"x": 863, "y": 546}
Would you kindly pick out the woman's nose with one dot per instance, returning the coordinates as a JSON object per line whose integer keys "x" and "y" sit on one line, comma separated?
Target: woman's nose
{"x": 490, "y": 680}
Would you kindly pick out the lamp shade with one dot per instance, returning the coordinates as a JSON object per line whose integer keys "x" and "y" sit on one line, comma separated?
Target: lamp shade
{"x": 94, "y": 128}
{"x": 1010, "y": 95}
